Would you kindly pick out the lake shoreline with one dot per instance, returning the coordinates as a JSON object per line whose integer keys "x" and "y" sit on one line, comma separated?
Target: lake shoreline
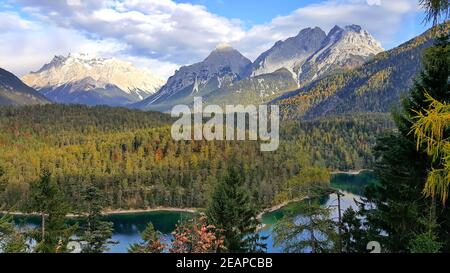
{"x": 109, "y": 212}
{"x": 157, "y": 209}
{"x": 352, "y": 172}
{"x": 277, "y": 207}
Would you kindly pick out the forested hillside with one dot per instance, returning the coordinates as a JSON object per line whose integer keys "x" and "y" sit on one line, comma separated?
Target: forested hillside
{"x": 131, "y": 157}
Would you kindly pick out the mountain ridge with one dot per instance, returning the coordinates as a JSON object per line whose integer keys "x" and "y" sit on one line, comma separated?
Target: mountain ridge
{"x": 224, "y": 65}
{"x": 14, "y": 92}
{"x": 226, "y": 76}
{"x": 343, "y": 48}
{"x": 290, "y": 52}
{"x": 377, "y": 86}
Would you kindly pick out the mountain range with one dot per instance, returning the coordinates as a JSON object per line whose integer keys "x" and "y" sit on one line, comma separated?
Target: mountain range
{"x": 226, "y": 76}
{"x": 14, "y": 92}
{"x": 83, "y": 79}
{"x": 309, "y": 75}
{"x": 376, "y": 86}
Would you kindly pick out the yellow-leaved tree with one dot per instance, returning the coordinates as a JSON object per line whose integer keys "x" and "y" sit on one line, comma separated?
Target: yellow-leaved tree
{"x": 429, "y": 130}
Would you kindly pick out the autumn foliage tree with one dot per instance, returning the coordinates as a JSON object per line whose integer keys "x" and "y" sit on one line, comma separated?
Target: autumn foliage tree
{"x": 197, "y": 236}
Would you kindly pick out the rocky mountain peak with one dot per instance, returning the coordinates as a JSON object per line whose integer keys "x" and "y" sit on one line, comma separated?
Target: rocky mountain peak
{"x": 334, "y": 30}
{"x": 73, "y": 69}
{"x": 347, "y": 47}
{"x": 289, "y": 53}
{"x": 224, "y": 65}
{"x": 354, "y": 28}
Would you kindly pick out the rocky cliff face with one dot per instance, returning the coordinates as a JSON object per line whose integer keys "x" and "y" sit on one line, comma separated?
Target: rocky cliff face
{"x": 290, "y": 53}
{"x": 226, "y": 76}
{"x": 343, "y": 48}
{"x": 223, "y": 66}
{"x": 376, "y": 86}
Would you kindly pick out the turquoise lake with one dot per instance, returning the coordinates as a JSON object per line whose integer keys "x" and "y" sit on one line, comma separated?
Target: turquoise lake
{"x": 127, "y": 227}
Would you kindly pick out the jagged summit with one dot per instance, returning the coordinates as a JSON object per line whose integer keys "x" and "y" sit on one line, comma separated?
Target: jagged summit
{"x": 343, "y": 48}
{"x": 355, "y": 28}
{"x": 224, "y": 65}
{"x": 75, "y": 68}
{"x": 289, "y": 53}
{"x": 310, "y": 54}
{"x": 334, "y": 30}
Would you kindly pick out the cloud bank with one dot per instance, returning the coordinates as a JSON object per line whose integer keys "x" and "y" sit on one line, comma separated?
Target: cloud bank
{"x": 162, "y": 34}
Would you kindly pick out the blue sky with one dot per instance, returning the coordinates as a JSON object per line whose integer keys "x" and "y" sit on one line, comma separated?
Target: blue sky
{"x": 251, "y": 11}
{"x": 162, "y": 35}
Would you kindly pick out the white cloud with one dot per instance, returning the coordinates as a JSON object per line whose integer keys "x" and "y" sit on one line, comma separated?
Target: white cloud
{"x": 162, "y": 34}
{"x": 382, "y": 18}
{"x": 158, "y": 29}
{"x": 29, "y": 45}
{"x": 10, "y": 21}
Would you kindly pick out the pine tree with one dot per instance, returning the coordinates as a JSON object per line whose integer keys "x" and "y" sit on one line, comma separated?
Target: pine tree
{"x": 96, "y": 233}
{"x": 47, "y": 200}
{"x": 3, "y": 181}
{"x": 428, "y": 240}
{"x": 151, "y": 242}
{"x": 314, "y": 231}
{"x": 353, "y": 233}
{"x": 432, "y": 81}
{"x": 435, "y": 9}
{"x": 11, "y": 241}
{"x": 398, "y": 198}
{"x": 232, "y": 210}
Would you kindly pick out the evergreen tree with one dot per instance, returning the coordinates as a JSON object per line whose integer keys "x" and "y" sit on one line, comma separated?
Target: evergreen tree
{"x": 399, "y": 203}
{"x": 314, "y": 231}
{"x": 11, "y": 241}
{"x": 432, "y": 81}
{"x": 354, "y": 237}
{"x": 232, "y": 210}
{"x": 2, "y": 180}
{"x": 151, "y": 242}
{"x": 427, "y": 241}
{"x": 435, "y": 9}
{"x": 47, "y": 200}
{"x": 96, "y": 233}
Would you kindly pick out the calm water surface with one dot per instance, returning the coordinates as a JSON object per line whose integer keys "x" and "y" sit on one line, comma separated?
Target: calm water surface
{"x": 127, "y": 227}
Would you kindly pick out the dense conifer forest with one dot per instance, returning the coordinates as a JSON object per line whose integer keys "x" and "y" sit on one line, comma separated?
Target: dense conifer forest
{"x": 131, "y": 157}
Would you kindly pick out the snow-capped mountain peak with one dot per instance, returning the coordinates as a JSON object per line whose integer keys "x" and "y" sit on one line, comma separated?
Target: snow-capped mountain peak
{"x": 74, "y": 68}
